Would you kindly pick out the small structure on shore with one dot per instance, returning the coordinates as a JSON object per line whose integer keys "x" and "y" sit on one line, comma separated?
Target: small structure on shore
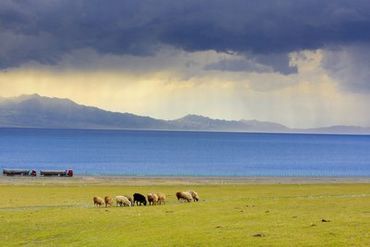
{"x": 33, "y": 173}
{"x": 19, "y": 172}
{"x": 59, "y": 173}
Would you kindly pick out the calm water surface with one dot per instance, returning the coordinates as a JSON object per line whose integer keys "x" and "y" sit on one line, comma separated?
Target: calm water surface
{"x": 105, "y": 152}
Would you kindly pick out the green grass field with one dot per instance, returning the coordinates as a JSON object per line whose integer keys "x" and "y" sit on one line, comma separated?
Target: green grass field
{"x": 227, "y": 215}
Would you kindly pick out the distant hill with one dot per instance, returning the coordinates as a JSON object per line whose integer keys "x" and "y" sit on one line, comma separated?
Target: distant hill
{"x": 340, "y": 129}
{"x": 197, "y": 122}
{"x": 43, "y": 112}
{"x": 35, "y": 111}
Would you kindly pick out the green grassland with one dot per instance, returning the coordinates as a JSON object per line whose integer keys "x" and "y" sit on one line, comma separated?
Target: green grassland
{"x": 227, "y": 215}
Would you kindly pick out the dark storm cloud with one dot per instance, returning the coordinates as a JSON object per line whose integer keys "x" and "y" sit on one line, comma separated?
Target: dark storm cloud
{"x": 43, "y": 31}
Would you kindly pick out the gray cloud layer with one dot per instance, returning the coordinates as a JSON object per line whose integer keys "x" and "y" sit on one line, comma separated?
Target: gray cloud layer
{"x": 349, "y": 66}
{"x": 43, "y": 31}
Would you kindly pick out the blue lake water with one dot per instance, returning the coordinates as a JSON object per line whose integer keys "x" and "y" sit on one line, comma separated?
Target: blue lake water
{"x": 151, "y": 153}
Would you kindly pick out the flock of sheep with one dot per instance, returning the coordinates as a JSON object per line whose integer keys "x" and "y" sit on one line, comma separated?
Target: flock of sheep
{"x": 139, "y": 199}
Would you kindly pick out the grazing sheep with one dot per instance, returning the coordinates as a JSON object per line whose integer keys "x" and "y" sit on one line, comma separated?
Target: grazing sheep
{"x": 98, "y": 201}
{"x": 186, "y": 196}
{"x": 194, "y": 195}
{"x": 108, "y": 201}
{"x": 161, "y": 198}
{"x": 152, "y": 198}
{"x": 139, "y": 199}
{"x": 123, "y": 201}
{"x": 130, "y": 199}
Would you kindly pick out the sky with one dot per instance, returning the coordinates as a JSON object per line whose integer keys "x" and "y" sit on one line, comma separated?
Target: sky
{"x": 301, "y": 63}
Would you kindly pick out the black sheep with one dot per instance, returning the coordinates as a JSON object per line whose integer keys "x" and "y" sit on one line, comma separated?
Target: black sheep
{"x": 139, "y": 199}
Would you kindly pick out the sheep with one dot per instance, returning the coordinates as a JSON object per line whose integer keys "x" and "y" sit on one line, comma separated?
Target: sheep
{"x": 186, "y": 196}
{"x": 108, "y": 201}
{"x": 161, "y": 198}
{"x": 139, "y": 199}
{"x": 130, "y": 199}
{"x": 152, "y": 198}
{"x": 194, "y": 195}
{"x": 122, "y": 201}
{"x": 98, "y": 201}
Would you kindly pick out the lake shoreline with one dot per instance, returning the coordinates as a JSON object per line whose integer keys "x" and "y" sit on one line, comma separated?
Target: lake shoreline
{"x": 175, "y": 180}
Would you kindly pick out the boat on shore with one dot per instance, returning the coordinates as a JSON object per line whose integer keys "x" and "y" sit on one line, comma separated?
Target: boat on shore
{"x": 19, "y": 172}
{"x": 33, "y": 173}
{"x": 59, "y": 173}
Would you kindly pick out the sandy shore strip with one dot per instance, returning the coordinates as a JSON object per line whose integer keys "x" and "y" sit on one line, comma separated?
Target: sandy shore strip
{"x": 173, "y": 180}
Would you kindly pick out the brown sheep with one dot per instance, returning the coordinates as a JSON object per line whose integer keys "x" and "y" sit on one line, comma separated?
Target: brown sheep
{"x": 108, "y": 201}
{"x": 194, "y": 195}
{"x": 98, "y": 201}
{"x": 152, "y": 198}
{"x": 186, "y": 196}
{"x": 161, "y": 198}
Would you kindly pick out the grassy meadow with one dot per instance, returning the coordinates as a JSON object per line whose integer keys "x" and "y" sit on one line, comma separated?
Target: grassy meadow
{"x": 240, "y": 214}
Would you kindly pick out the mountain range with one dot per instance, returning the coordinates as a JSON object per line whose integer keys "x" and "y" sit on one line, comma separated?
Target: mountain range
{"x": 35, "y": 111}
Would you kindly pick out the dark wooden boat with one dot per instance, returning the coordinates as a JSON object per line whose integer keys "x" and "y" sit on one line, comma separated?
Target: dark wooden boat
{"x": 59, "y": 173}
{"x": 19, "y": 172}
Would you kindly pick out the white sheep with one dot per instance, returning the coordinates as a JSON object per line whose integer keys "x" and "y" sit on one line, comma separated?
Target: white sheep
{"x": 194, "y": 195}
{"x": 123, "y": 201}
{"x": 186, "y": 196}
